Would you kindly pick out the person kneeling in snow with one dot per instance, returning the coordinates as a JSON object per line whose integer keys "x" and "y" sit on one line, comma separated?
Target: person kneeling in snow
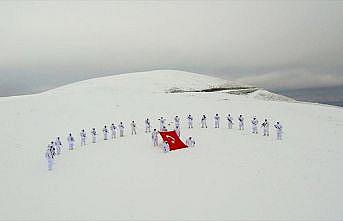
{"x": 165, "y": 147}
{"x": 190, "y": 142}
{"x": 278, "y": 127}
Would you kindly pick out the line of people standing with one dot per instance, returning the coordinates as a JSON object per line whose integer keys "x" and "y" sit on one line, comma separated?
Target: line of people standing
{"x": 55, "y": 147}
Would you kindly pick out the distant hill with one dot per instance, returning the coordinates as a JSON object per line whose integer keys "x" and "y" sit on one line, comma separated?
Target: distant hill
{"x": 324, "y": 95}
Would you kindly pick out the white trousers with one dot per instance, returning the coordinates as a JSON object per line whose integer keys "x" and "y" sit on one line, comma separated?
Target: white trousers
{"x": 71, "y": 145}
{"x": 265, "y": 131}
{"x": 83, "y": 141}
{"x": 50, "y": 163}
{"x": 155, "y": 142}
{"x": 190, "y": 124}
{"x": 254, "y": 129}
{"x": 229, "y": 125}
{"x": 279, "y": 135}
{"x": 241, "y": 126}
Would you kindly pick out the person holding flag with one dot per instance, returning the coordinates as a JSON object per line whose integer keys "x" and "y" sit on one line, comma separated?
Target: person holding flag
{"x": 162, "y": 123}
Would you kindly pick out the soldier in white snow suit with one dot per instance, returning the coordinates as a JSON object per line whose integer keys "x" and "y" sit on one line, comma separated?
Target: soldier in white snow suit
{"x": 177, "y": 131}
{"x": 83, "y": 137}
{"x": 190, "y": 121}
{"x": 190, "y": 142}
{"x": 93, "y": 132}
{"x": 165, "y": 147}
{"x": 265, "y": 126}
{"x": 50, "y": 158}
{"x": 154, "y": 137}
{"x": 133, "y": 128}
{"x": 162, "y": 123}
{"x": 216, "y": 121}
{"x": 254, "y": 124}
{"x": 105, "y": 131}
{"x": 147, "y": 125}
{"x": 113, "y": 131}
{"x": 229, "y": 121}
{"x": 52, "y": 149}
{"x": 71, "y": 141}
{"x": 278, "y": 127}
{"x": 58, "y": 145}
{"x": 121, "y": 129}
{"x": 241, "y": 122}
{"x": 203, "y": 121}
{"x": 177, "y": 121}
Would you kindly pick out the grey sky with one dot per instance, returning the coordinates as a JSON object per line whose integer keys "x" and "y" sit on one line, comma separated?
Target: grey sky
{"x": 291, "y": 44}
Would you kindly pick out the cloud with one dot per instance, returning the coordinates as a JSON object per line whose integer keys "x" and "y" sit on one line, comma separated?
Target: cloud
{"x": 292, "y": 79}
{"x": 50, "y": 42}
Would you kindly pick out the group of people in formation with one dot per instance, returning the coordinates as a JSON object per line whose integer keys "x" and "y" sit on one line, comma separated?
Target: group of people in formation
{"x": 55, "y": 147}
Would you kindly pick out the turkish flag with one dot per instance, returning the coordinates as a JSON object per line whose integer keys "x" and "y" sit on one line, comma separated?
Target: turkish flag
{"x": 173, "y": 140}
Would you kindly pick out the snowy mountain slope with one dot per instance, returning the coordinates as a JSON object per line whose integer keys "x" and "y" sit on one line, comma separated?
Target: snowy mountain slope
{"x": 269, "y": 96}
{"x": 228, "y": 175}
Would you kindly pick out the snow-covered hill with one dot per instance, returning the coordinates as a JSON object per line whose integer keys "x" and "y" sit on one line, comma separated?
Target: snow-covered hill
{"x": 229, "y": 174}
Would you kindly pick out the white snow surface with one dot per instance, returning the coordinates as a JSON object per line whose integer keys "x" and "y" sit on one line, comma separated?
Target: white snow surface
{"x": 229, "y": 174}
{"x": 269, "y": 96}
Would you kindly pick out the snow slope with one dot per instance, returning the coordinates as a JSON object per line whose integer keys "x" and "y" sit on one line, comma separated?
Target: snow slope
{"x": 229, "y": 174}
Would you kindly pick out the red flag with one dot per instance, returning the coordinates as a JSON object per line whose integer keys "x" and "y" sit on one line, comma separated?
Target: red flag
{"x": 173, "y": 140}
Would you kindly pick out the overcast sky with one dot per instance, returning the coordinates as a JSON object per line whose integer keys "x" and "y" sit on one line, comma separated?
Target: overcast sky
{"x": 275, "y": 45}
